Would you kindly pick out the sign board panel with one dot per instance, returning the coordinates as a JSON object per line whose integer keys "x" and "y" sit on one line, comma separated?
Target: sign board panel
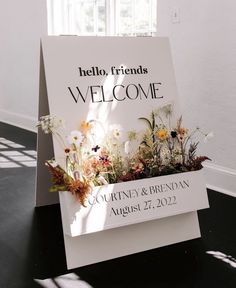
{"x": 115, "y": 81}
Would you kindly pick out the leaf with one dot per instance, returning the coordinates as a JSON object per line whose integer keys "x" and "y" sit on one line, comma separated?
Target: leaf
{"x": 147, "y": 122}
{"x": 57, "y": 173}
{"x": 67, "y": 178}
{"x": 57, "y": 188}
{"x": 144, "y": 143}
{"x": 153, "y": 121}
{"x": 192, "y": 151}
{"x": 196, "y": 164}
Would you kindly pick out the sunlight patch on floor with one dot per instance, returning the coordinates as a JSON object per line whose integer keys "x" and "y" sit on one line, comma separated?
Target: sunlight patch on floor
{"x": 223, "y": 257}
{"x": 65, "y": 281}
{"x": 14, "y": 155}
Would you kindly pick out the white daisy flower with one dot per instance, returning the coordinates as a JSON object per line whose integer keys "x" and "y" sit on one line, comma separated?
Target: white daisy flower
{"x": 116, "y": 130}
{"x": 75, "y": 137}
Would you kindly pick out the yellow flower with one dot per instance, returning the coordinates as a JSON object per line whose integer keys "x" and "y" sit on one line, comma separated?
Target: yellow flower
{"x": 85, "y": 127}
{"x": 162, "y": 134}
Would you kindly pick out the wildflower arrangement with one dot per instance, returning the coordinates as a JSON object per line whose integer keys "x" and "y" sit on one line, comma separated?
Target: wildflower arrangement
{"x": 159, "y": 149}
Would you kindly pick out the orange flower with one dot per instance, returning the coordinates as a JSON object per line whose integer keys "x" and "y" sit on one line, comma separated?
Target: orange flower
{"x": 162, "y": 134}
{"x": 85, "y": 127}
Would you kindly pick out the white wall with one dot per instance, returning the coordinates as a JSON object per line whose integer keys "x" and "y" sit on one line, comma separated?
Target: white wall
{"x": 204, "y": 54}
{"x": 22, "y": 23}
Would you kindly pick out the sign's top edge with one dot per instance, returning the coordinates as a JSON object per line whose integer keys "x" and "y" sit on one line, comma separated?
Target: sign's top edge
{"x": 101, "y": 37}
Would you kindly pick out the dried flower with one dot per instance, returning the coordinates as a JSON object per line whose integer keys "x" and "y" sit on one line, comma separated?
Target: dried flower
{"x": 85, "y": 127}
{"x": 152, "y": 152}
{"x": 162, "y": 134}
{"x": 173, "y": 134}
{"x": 75, "y": 138}
{"x": 57, "y": 173}
{"x": 138, "y": 167}
{"x": 49, "y": 124}
{"x": 183, "y": 131}
{"x": 116, "y": 131}
{"x": 80, "y": 189}
{"x": 67, "y": 150}
{"x": 196, "y": 163}
{"x": 132, "y": 135}
{"x": 105, "y": 161}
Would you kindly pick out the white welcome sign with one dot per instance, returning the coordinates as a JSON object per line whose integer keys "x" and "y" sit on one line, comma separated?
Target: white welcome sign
{"x": 115, "y": 81}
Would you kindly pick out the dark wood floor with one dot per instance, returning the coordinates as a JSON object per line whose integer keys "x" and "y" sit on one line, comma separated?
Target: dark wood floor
{"x": 31, "y": 240}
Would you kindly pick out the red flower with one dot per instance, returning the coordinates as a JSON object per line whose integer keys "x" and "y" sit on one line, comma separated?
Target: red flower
{"x": 105, "y": 161}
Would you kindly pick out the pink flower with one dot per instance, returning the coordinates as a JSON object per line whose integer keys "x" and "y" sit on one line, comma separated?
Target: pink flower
{"x": 138, "y": 168}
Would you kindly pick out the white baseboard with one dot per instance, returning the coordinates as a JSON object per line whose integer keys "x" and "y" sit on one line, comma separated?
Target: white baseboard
{"x": 220, "y": 178}
{"x": 18, "y": 120}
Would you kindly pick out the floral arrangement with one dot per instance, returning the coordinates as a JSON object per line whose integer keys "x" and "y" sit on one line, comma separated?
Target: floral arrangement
{"x": 159, "y": 149}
